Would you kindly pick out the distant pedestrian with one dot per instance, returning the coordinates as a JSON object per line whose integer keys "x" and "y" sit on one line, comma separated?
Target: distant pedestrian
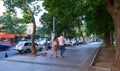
{"x": 61, "y": 41}
{"x": 55, "y": 47}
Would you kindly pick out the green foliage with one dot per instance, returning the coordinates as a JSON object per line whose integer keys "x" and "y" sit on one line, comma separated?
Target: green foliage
{"x": 21, "y": 4}
{"x": 10, "y": 25}
{"x": 117, "y": 4}
{"x": 66, "y": 16}
{"x": 11, "y": 6}
{"x": 46, "y": 21}
{"x": 26, "y": 15}
{"x": 98, "y": 21}
{"x": 67, "y": 12}
{"x": 29, "y": 9}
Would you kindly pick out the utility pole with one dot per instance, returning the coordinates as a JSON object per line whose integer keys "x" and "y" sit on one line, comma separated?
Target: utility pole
{"x": 54, "y": 24}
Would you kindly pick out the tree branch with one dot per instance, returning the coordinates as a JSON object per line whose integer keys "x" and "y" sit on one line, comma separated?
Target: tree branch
{"x": 110, "y": 6}
{"x": 109, "y": 3}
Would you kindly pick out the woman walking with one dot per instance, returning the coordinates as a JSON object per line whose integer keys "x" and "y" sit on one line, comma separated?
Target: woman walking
{"x": 55, "y": 47}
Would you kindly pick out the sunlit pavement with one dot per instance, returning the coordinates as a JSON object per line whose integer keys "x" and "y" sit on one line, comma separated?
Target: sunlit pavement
{"x": 10, "y": 52}
{"x": 76, "y": 58}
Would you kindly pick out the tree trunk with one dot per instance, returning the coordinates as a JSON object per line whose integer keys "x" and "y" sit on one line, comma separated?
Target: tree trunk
{"x": 112, "y": 40}
{"x": 83, "y": 39}
{"x": 117, "y": 27}
{"x": 34, "y": 30}
{"x": 107, "y": 39}
{"x": 115, "y": 14}
{"x": 33, "y": 35}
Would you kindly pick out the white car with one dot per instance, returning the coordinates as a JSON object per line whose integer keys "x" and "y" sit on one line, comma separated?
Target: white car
{"x": 42, "y": 42}
{"x": 26, "y": 46}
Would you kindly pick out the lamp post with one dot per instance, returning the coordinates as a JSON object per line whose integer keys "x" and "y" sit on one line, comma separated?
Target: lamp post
{"x": 53, "y": 32}
{"x": 54, "y": 24}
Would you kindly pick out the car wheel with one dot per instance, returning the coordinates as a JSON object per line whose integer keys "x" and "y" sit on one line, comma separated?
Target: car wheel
{"x": 40, "y": 49}
{"x": 21, "y": 52}
{"x": 28, "y": 50}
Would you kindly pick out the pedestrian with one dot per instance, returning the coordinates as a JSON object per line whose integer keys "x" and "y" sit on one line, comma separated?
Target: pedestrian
{"x": 55, "y": 47}
{"x": 61, "y": 41}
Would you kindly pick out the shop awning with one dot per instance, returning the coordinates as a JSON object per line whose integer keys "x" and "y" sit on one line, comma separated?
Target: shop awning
{"x": 6, "y": 35}
{"x": 22, "y": 35}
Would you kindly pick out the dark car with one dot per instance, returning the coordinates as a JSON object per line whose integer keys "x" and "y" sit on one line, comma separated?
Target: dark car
{"x": 4, "y": 47}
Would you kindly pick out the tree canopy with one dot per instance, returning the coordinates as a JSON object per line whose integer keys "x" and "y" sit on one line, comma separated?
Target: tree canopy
{"x": 29, "y": 8}
{"x": 12, "y": 24}
{"x": 66, "y": 16}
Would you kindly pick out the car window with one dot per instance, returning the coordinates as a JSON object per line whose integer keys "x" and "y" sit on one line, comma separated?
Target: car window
{"x": 20, "y": 43}
{"x": 27, "y": 44}
{"x": 30, "y": 44}
{"x": 36, "y": 44}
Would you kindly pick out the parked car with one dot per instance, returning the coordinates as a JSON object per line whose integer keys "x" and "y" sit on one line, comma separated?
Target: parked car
{"x": 4, "y": 47}
{"x": 26, "y": 46}
{"x": 42, "y": 42}
{"x": 69, "y": 42}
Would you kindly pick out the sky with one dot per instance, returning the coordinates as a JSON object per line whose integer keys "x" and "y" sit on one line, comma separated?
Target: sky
{"x": 19, "y": 14}
{"x": 2, "y": 9}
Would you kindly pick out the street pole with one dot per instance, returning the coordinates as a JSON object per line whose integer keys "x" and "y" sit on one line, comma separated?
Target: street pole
{"x": 54, "y": 24}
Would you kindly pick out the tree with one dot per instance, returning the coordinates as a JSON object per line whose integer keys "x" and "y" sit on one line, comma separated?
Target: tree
{"x": 67, "y": 10}
{"x": 66, "y": 15}
{"x": 46, "y": 21}
{"x": 97, "y": 24}
{"x": 12, "y": 25}
{"x": 30, "y": 8}
{"x": 113, "y": 7}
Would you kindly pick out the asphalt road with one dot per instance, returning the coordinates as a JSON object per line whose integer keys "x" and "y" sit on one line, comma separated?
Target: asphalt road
{"x": 76, "y": 59}
{"x": 10, "y": 52}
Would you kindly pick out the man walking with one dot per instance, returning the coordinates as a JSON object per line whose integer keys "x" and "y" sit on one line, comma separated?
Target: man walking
{"x": 61, "y": 41}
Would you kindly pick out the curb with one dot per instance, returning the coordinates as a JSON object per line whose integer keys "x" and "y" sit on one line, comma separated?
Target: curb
{"x": 93, "y": 58}
{"x": 95, "y": 68}
{"x": 95, "y": 54}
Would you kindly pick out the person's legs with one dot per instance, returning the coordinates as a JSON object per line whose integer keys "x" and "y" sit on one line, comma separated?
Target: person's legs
{"x": 52, "y": 52}
{"x": 62, "y": 48}
{"x": 56, "y": 54}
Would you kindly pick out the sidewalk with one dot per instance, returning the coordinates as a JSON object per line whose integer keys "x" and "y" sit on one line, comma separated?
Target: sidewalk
{"x": 76, "y": 59}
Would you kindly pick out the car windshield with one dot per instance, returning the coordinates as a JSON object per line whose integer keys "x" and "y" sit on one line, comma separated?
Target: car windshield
{"x": 20, "y": 43}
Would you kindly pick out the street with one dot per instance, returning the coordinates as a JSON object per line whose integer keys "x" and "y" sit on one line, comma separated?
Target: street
{"x": 10, "y": 52}
{"x": 76, "y": 58}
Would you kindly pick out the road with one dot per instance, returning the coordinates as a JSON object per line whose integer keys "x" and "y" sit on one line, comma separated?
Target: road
{"x": 76, "y": 59}
{"x": 10, "y": 52}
